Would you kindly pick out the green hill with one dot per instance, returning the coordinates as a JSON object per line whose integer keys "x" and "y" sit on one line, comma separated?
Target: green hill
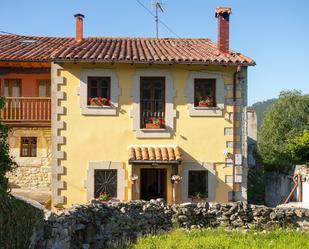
{"x": 260, "y": 109}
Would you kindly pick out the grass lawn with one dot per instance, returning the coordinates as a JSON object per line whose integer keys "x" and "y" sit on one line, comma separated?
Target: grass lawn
{"x": 220, "y": 239}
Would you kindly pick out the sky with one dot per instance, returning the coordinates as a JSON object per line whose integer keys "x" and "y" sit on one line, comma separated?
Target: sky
{"x": 275, "y": 33}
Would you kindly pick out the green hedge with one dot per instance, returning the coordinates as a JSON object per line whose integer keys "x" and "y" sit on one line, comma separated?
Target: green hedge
{"x": 17, "y": 220}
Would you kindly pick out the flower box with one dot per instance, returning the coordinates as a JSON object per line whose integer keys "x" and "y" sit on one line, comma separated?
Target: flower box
{"x": 152, "y": 126}
{"x": 105, "y": 200}
{"x": 95, "y": 103}
{"x": 203, "y": 104}
{"x": 99, "y": 101}
{"x": 197, "y": 200}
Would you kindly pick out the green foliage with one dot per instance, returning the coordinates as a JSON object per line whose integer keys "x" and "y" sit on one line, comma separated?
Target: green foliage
{"x": 220, "y": 239}
{"x": 256, "y": 186}
{"x": 6, "y": 161}
{"x": 17, "y": 220}
{"x": 256, "y": 181}
{"x": 298, "y": 147}
{"x": 261, "y": 108}
{"x": 286, "y": 119}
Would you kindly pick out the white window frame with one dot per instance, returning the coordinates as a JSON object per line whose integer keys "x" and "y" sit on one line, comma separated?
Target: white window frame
{"x": 170, "y": 112}
{"x": 89, "y": 181}
{"x": 189, "y": 94}
{"x": 114, "y": 94}
{"x": 199, "y": 167}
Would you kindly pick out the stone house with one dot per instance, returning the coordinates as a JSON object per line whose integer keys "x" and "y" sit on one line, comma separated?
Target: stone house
{"x": 144, "y": 118}
{"x": 25, "y": 83}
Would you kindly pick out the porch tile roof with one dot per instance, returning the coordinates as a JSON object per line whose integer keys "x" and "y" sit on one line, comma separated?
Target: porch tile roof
{"x": 118, "y": 50}
{"x": 160, "y": 154}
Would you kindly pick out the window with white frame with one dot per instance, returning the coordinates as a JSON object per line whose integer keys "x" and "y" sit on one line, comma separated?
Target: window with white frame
{"x": 99, "y": 91}
{"x": 160, "y": 106}
{"x": 205, "y": 93}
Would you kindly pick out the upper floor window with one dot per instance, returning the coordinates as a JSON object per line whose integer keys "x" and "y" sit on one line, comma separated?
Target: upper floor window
{"x": 204, "y": 92}
{"x": 99, "y": 91}
{"x": 28, "y": 147}
{"x": 152, "y": 102}
{"x": 198, "y": 183}
{"x": 12, "y": 87}
{"x": 44, "y": 88}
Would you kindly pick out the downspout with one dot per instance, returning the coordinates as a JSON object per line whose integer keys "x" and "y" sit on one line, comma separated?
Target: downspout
{"x": 238, "y": 69}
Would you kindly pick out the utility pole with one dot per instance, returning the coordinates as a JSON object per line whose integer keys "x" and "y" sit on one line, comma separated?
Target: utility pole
{"x": 158, "y": 6}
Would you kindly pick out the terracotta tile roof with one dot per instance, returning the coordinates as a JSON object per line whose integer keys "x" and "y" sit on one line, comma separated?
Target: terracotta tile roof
{"x": 117, "y": 49}
{"x": 150, "y": 50}
{"x": 30, "y": 48}
{"x": 155, "y": 154}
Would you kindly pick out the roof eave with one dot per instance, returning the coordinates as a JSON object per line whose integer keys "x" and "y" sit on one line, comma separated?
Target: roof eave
{"x": 155, "y": 62}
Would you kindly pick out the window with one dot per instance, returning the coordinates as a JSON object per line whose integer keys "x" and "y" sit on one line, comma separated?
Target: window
{"x": 204, "y": 92}
{"x": 12, "y": 87}
{"x": 152, "y": 102}
{"x": 105, "y": 180}
{"x": 28, "y": 147}
{"x": 99, "y": 87}
{"x": 198, "y": 183}
{"x": 44, "y": 88}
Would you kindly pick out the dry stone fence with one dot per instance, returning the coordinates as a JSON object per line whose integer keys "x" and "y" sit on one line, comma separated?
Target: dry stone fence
{"x": 98, "y": 225}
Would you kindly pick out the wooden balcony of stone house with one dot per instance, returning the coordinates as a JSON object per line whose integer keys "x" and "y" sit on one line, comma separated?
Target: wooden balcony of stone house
{"x": 26, "y": 111}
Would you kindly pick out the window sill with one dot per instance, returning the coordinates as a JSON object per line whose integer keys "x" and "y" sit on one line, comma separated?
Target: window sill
{"x": 206, "y": 108}
{"x": 99, "y": 107}
{"x": 153, "y": 133}
{"x": 148, "y": 129}
{"x": 99, "y": 110}
{"x": 205, "y": 111}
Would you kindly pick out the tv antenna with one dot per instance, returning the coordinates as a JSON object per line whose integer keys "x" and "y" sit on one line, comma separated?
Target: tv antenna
{"x": 158, "y": 7}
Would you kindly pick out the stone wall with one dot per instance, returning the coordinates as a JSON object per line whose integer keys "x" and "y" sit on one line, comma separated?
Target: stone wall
{"x": 32, "y": 172}
{"x": 277, "y": 188}
{"x": 98, "y": 225}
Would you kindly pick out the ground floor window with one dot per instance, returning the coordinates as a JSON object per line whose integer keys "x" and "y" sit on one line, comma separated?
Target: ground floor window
{"x": 198, "y": 183}
{"x": 105, "y": 180}
{"x": 28, "y": 147}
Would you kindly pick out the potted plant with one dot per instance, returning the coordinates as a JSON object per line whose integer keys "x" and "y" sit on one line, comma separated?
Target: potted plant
{"x": 59, "y": 208}
{"x": 198, "y": 197}
{"x": 99, "y": 101}
{"x": 176, "y": 178}
{"x": 205, "y": 101}
{"x": 104, "y": 196}
{"x": 153, "y": 123}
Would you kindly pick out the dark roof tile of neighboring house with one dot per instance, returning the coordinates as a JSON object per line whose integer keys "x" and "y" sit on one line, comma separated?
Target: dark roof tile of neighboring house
{"x": 30, "y": 48}
{"x": 117, "y": 49}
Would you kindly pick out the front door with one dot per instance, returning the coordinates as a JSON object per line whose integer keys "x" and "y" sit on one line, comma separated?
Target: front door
{"x": 153, "y": 184}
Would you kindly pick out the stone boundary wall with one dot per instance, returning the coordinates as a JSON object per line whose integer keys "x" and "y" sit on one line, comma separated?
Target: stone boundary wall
{"x": 98, "y": 225}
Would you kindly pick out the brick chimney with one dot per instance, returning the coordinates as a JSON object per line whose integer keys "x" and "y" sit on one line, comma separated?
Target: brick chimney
{"x": 79, "y": 27}
{"x": 223, "y": 15}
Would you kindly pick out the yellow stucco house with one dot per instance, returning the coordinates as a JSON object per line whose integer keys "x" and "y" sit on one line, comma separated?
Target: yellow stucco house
{"x": 144, "y": 118}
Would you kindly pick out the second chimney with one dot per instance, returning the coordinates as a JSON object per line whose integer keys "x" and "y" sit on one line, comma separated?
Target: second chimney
{"x": 79, "y": 27}
{"x": 223, "y": 15}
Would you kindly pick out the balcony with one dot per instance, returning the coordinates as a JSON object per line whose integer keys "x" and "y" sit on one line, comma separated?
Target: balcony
{"x": 27, "y": 111}
{"x": 152, "y": 114}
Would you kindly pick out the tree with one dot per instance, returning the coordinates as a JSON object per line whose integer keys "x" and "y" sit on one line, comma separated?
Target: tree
{"x": 283, "y": 125}
{"x": 299, "y": 148}
{"x": 6, "y": 162}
